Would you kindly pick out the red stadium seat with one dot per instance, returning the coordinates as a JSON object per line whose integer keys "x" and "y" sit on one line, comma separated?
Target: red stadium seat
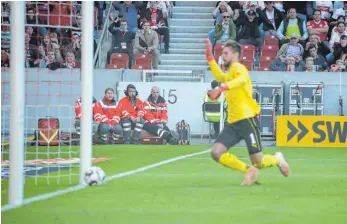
{"x": 117, "y": 65}
{"x": 141, "y": 66}
{"x": 247, "y": 58}
{"x": 265, "y": 61}
{"x": 271, "y": 40}
{"x": 269, "y": 50}
{"x": 116, "y": 57}
{"x": 248, "y": 64}
{"x": 248, "y": 50}
{"x": 143, "y": 58}
{"x": 218, "y": 51}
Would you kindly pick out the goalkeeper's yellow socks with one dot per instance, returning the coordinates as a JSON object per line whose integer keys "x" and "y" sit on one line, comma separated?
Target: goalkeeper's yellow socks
{"x": 267, "y": 161}
{"x": 231, "y": 161}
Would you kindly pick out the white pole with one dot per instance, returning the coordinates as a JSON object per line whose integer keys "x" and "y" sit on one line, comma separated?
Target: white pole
{"x": 87, "y": 68}
{"x": 16, "y": 179}
{"x": 221, "y": 110}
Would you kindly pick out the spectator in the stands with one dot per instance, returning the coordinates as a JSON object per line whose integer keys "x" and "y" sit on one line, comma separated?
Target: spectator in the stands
{"x": 252, "y": 5}
{"x": 292, "y": 25}
{"x": 314, "y": 40}
{"x": 49, "y": 61}
{"x": 129, "y": 11}
{"x": 34, "y": 40}
{"x": 5, "y": 35}
{"x": 340, "y": 18}
{"x": 326, "y": 7}
{"x": 217, "y": 15}
{"x": 70, "y": 61}
{"x": 279, "y": 6}
{"x": 293, "y": 48}
{"x": 122, "y": 40}
{"x": 336, "y": 34}
{"x": 339, "y": 51}
{"x": 300, "y": 8}
{"x": 290, "y": 64}
{"x": 146, "y": 42}
{"x": 249, "y": 33}
{"x": 340, "y": 66}
{"x": 32, "y": 19}
{"x": 158, "y": 23}
{"x": 50, "y": 42}
{"x": 273, "y": 18}
{"x": 318, "y": 26}
{"x": 225, "y": 29}
{"x": 5, "y": 58}
{"x": 309, "y": 64}
{"x": 318, "y": 60}
{"x": 161, "y": 5}
{"x": 75, "y": 46}
{"x": 31, "y": 53}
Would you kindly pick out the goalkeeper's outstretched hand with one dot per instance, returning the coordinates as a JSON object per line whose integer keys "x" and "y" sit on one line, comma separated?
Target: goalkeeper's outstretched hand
{"x": 209, "y": 54}
{"x": 215, "y": 93}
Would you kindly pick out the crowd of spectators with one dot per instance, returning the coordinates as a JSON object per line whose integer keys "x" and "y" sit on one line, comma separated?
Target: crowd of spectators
{"x": 138, "y": 30}
{"x": 312, "y": 33}
{"x": 311, "y": 36}
{"x": 52, "y": 33}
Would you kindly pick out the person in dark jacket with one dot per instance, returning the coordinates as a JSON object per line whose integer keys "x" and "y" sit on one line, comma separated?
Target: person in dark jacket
{"x": 273, "y": 18}
{"x": 249, "y": 33}
{"x": 122, "y": 40}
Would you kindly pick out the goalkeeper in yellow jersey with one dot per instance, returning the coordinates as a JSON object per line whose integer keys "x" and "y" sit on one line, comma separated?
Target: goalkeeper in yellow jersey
{"x": 242, "y": 111}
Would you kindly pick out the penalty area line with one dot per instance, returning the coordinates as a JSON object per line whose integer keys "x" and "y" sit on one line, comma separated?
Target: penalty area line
{"x": 80, "y": 187}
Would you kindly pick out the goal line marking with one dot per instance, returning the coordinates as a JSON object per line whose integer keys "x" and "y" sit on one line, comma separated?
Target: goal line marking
{"x": 42, "y": 197}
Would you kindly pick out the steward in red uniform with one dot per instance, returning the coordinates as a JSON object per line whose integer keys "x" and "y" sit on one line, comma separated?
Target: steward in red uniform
{"x": 96, "y": 116}
{"x": 156, "y": 117}
{"x": 132, "y": 111}
{"x": 110, "y": 117}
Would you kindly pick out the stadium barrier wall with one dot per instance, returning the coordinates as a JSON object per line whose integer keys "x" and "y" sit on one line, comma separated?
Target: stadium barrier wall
{"x": 59, "y": 89}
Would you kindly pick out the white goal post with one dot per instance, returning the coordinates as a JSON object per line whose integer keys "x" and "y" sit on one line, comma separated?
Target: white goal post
{"x": 17, "y": 97}
{"x": 16, "y": 154}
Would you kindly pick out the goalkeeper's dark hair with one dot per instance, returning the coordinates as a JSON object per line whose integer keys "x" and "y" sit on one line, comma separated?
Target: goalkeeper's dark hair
{"x": 235, "y": 46}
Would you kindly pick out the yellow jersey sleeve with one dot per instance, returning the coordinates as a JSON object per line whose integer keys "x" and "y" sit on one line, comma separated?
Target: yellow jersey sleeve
{"x": 240, "y": 76}
{"x": 217, "y": 72}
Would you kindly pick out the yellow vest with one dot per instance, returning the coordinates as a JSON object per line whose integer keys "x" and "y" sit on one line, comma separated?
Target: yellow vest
{"x": 293, "y": 29}
{"x": 212, "y": 116}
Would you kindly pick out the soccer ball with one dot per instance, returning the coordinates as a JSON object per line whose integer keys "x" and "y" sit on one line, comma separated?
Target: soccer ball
{"x": 94, "y": 176}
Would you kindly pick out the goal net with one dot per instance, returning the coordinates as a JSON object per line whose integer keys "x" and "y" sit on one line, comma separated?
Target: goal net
{"x": 52, "y": 84}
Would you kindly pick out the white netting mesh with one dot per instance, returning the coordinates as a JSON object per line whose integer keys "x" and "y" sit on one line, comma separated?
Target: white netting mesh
{"x": 52, "y": 82}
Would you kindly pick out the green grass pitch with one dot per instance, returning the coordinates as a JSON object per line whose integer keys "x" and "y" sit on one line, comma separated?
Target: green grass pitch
{"x": 195, "y": 190}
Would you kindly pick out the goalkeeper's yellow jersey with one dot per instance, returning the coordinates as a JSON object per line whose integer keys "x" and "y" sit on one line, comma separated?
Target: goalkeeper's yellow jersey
{"x": 241, "y": 104}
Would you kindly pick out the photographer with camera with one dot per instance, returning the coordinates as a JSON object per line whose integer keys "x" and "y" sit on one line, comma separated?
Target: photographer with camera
{"x": 121, "y": 41}
{"x": 129, "y": 12}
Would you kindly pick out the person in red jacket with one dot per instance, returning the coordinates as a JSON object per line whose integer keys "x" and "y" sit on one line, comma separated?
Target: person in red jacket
{"x": 131, "y": 108}
{"x": 110, "y": 117}
{"x": 96, "y": 116}
{"x": 156, "y": 116}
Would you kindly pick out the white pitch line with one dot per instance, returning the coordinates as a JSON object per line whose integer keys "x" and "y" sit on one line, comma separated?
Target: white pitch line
{"x": 80, "y": 187}
{"x": 287, "y": 158}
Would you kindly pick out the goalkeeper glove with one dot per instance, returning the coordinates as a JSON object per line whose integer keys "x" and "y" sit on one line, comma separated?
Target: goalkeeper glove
{"x": 215, "y": 93}
{"x": 209, "y": 54}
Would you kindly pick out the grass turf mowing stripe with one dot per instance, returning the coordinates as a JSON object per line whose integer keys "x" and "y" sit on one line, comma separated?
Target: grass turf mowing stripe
{"x": 115, "y": 176}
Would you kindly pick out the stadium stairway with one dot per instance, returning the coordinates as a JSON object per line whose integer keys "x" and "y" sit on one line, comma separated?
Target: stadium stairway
{"x": 189, "y": 27}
